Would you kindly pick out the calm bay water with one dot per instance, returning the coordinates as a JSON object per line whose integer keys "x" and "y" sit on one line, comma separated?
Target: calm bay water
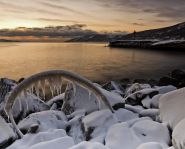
{"x": 94, "y": 61}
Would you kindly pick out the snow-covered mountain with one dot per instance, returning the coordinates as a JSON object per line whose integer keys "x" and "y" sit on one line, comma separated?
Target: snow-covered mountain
{"x": 175, "y": 32}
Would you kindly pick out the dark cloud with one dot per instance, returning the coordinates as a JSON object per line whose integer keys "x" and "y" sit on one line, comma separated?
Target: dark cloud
{"x": 59, "y": 6}
{"x": 138, "y": 24}
{"x": 173, "y": 9}
{"x": 58, "y": 20}
{"x": 57, "y": 31}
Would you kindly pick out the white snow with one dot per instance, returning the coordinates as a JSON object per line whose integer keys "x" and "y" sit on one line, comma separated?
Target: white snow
{"x": 172, "y": 107}
{"x": 152, "y": 145}
{"x": 60, "y": 143}
{"x": 89, "y": 145}
{"x": 45, "y": 119}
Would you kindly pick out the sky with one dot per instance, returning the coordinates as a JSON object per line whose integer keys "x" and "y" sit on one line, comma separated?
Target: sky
{"x": 97, "y": 15}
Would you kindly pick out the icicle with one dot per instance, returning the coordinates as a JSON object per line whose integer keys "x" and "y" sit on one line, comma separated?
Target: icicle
{"x": 42, "y": 85}
{"x": 74, "y": 89}
{"x": 37, "y": 88}
{"x": 90, "y": 93}
{"x": 20, "y": 104}
{"x": 51, "y": 86}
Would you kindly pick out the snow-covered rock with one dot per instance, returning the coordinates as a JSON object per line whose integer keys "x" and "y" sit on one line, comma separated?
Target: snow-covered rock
{"x": 45, "y": 120}
{"x": 135, "y": 88}
{"x": 97, "y": 124}
{"x": 172, "y": 107}
{"x": 60, "y": 143}
{"x": 89, "y": 145}
{"x": 137, "y": 97}
{"x": 155, "y": 101}
{"x": 30, "y": 140}
{"x": 124, "y": 115}
{"x": 135, "y": 109}
{"x": 146, "y": 96}
{"x": 152, "y": 113}
{"x": 7, "y": 134}
{"x": 152, "y": 145}
{"x": 178, "y": 135}
{"x": 24, "y": 106}
{"x": 125, "y": 136}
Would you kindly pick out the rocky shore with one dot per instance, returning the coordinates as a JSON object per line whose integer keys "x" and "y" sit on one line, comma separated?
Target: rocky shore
{"x": 149, "y": 44}
{"x": 148, "y": 114}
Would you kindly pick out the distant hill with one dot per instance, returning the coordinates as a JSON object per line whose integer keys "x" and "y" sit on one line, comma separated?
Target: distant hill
{"x": 175, "y": 32}
{"x": 91, "y": 38}
{"x": 5, "y": 40}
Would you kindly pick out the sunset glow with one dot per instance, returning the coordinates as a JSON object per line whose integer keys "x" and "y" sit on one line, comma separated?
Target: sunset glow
{"x": 104, "y": 15}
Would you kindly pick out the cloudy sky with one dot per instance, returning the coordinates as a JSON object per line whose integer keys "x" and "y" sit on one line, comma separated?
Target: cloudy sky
{"x": 98, "y": 15}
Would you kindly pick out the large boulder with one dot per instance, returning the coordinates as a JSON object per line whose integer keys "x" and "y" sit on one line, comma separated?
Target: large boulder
{"x": 172, "y": 107}
{"x": 44, "y": 120}
{"x": 7, "y": 135}
{"x": 60, "y": 143}
{"x": 178, "y": 74}
{"x": 178, "y": 135}
{"x": 96, "y": 125}
{"x": 51, "y": 137}
{"x": 130, "y": 135}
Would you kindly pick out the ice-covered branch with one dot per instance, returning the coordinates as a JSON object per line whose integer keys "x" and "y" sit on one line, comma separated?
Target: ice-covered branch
{"x": 54, "y": 79}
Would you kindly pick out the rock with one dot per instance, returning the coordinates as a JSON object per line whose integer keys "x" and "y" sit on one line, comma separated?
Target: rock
{"x": 118, "y": 106}
{"x": 178, "y": 135}
{"x": 136, "y": 87}
{"x": 125, "y": 82}
{"x": 164, "y": 81}
{"x": 96, "y": 125}
{"x": 153, "y": 82}
{"x": 181, "y": 84}
{"x": 178, "y": 74}
{"x": 171, "y": 107}
{"x": 89, "y": 145}
{"x": 6, "y": 86}
{"x": 25, "y": 106}
{"x": 152, "y": 113}
{"x": 140, "y": 81}
{"x": 124, "y": 115}
{"x": 7, "y": 135}
{"x": 135, "y": 109}
{"x": 29, "y": 140}
{"x": 114, "y": 86}
{"x": 137, "y": 97}
{"x": 45, "y": 120}
{"x": 60, "y": 143}
{"x": 130, "y": 136}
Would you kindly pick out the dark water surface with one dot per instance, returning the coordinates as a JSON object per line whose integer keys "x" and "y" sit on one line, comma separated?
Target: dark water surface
{"x": 94, "y": 61}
